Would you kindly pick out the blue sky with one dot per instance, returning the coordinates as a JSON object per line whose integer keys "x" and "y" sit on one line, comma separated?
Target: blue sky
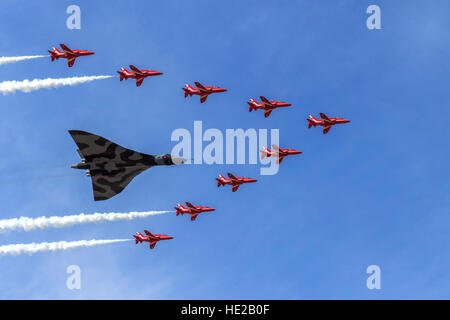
{"x": 375, "y": 191}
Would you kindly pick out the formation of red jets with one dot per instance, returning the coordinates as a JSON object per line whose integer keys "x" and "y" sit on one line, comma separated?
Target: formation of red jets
{"x": 203, "y": 91}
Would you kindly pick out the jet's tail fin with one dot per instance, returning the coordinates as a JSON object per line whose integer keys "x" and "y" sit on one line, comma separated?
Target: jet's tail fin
{"x": 187, "y": 90}
{"x": 53, "y": 55}
{"x": 264, "y": 153}
{"x": 311, "y": 121}
{"x": 137, "y": 239}
{"x": 178, "y": 209}
{"x": 251, "y": 105}
{"x": 121, "y": 75}
{"x": 220, "y": 180}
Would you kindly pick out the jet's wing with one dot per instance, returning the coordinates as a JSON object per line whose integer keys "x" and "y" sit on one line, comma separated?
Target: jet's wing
{"x": 70, "y": 62}
{"x": 112, "y": 167}
{"x": 326, "y": 129}
{"x": 67, "y": 50}
{"x": 136, "y": 70}
{"x": 265, "y": 101}
{"x": 147, "y": 233}
{"x": 203, "y": 97}
{"x": 139, "y": 82}
{"x": 190, "y": 206}
{"x": 152, "y": 244}
{"x": 201, "y": 87}
{"x": 324, "y": 117}
{"x": 280, "y": 158}
{"x": 194, "y": 216}
{"x": 234, "y": 189}
{"x": 267, "y": 113}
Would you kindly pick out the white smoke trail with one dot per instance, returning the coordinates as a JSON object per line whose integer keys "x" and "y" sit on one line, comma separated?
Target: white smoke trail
{"x": 27, "y": 224}
{"x": 6, "y": 60}
{"x": 30, "y": 248}
{"x": 36, "y": 84}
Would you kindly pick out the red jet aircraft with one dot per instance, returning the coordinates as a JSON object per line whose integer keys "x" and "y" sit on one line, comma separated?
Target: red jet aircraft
{"x": 151, "y": 238}
{"x": 68, "y": 54}
{"x": 192, "y": 210}
{"x": 201, "y": 91}
{"x": 266, "y": 105}
{"x": 325, "y": 122}
{"x": 277, "y": 152}
{"x": 235, "y": 182}
{"x": 137, "y": 74}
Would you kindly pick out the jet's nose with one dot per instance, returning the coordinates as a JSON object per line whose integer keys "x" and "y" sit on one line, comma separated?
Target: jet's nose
{"x": 210, "y": 209}
{"x": 251, "y": 180}
{"x": 89, "y": 53}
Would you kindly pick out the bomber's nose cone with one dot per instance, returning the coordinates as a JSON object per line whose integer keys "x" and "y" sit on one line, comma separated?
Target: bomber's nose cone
{"x": 178, "y": 160}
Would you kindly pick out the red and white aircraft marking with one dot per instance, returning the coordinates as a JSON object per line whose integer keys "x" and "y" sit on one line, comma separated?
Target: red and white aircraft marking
{"x": 194, "y": 211}
{"x": 137, "y": 74}
{"x": 235, "y": 182}
{"x": 325, "y": 122}
{"x": 277, "y": 153}
{"x": 68, "y": 54}
{"x": 266, "y": 105}
{"x": 201, "y": 91}
{"x": 151, "y": 238}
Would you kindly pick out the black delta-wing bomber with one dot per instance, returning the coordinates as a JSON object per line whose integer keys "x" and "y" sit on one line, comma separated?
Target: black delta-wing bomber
{"x": 110, "y": 166}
